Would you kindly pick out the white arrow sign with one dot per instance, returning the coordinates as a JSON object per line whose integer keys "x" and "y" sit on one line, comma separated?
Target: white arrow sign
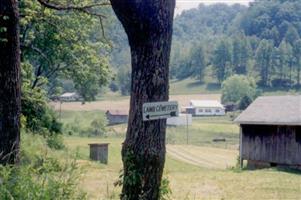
{"x": 160, "y": 110}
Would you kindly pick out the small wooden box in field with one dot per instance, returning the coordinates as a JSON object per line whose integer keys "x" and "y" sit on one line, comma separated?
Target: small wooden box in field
{"x": 99, "y": 152}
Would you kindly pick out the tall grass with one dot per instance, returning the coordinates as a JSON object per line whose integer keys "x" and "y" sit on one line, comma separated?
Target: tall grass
{"x": 40, "y": 174}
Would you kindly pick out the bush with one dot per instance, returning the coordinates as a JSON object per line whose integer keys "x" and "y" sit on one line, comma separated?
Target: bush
{"x": 237, "y": 87}
{"x": 55, "y": 142}
{"x": 244, "y": 102}
{"x": 124, "y": 80}
{"x": 39, "y": 118}
{"x": 285, "y": 83}
{"x": 165, "y": 191}
{"x": 113, "y": 86}
{"x": 40, "y": 174}
{"x": 47, "y": 180}
{"x": 98, "y": 127}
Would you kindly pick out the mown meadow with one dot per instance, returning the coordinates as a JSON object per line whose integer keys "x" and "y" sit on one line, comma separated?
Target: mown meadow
{"x": 203, "y": 169}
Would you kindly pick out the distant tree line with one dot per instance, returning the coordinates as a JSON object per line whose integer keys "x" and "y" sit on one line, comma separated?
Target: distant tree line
{"x": 218, "y": 41}
{"x": 262, "y": 41}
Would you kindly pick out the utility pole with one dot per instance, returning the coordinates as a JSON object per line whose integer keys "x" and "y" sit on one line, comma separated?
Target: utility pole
{"x": 187, "y": 131}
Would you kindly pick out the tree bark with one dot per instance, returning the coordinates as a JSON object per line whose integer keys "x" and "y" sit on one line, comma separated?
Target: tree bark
{"x": 9, "y": 82}
{"x": 148, "y": 25}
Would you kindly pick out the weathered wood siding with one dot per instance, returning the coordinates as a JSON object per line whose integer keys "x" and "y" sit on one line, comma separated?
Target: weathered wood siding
{"x": 99, "y": 152}
{"x": 274, "y": 144}
{"x": 117, "y": 119}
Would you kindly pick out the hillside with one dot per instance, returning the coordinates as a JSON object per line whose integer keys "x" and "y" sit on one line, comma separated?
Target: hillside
{"x": 261, "y": 41}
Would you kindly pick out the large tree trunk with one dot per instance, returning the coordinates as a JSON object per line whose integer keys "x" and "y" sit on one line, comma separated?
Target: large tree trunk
{"x": 148, "y": 25}
{"x": 9, "y": 82}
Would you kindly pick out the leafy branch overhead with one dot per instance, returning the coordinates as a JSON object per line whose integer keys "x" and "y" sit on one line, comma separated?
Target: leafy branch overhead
{"x": 65, "y": 42}
{"x": 88, "y": 9}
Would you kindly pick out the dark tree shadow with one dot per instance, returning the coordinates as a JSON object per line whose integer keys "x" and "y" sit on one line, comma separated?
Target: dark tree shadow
{"x": 213, "y": 87}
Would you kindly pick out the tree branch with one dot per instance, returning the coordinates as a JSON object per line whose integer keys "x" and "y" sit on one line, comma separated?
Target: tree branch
{"x": 54, "y": 70}
{"x": 37, "y": 50}
{"x": 37, "y": 74}
{"x": 72, "y": 7}
{"x": 84, "y": 9}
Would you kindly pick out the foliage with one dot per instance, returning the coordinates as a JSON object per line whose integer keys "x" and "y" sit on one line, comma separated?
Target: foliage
{"x": 244, "y": 102}
{"x": 235, "y": 38}
{"x": 132, "y": 176}
{"x": 63, "y": 45}
{"x": 124, "y": 80}
{"x": 258, "y": 41}
{"x": 237, "y": 87}
{"x": 264, "y": 61}
{"x": 55, "y": 142}
{"x": 99, "y": 126}
{"x": 39, "y": 182}
{"x": 165, "y": 191}
{"x": 89, "y": 124}
{"x": 241, "y": 54}
{"x": 40, "y": 175}
{"x": 205, "y": 21}
{"x": 39, "y": 118}
{"x": 267, "y": 19}
{"x": 114, "y": 86}
{"x": 222, "y": 60}
{"x": 193, "y": 65}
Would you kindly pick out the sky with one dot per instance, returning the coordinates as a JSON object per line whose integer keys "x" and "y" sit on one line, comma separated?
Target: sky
{"x": 188, "y": 4}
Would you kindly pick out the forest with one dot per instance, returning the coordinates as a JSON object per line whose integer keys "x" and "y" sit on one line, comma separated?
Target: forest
{"x": 261, "y": 41}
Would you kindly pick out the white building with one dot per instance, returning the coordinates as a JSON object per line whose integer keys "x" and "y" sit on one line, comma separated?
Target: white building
{"x": 69, "y": 96}
{"x": 205, "y": 108}
{"x": 181, "y": 120}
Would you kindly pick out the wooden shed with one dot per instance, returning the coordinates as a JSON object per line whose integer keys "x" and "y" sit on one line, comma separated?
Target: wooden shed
{"x": 270, "y": 132}
{"x": 117, "y": 116}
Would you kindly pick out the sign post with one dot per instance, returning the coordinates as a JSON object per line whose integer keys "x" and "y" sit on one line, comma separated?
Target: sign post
{"x": 160, "y": 110}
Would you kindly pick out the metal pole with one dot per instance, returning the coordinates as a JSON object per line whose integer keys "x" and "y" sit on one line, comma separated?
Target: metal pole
{"x": 60, "y": 110}
{"x": 187, "y": 134}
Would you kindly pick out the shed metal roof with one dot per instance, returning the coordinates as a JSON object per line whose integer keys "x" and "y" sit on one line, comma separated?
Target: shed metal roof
{"x": 68, "y": 94}
{"x": 272, "y": 110}
{"x": 206, "y": 104}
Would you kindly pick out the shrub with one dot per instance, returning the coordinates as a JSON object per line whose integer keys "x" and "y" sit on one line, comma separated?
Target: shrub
{"x": 124, "y": 80}
{"x": 284, "y": 83}
{"x": 98, "y": 127}
{"x": 165, "y": 191}
{"x": 40, "y": 175}
{"x": 46, "y": 181}
{"x": 237, "y": 87}
{"x": 244, "y": 102}
{"x": 39, "y": 118}
{"x": 55, "y": 142}
{"x": 113, "y": 86}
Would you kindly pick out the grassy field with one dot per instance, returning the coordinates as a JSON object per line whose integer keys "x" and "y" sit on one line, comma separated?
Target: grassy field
{"x": 201, "y": 170}
{"x": 204, "y": 130}
{"x": 188, "y": 181}
{"x": 180, "y": 90}
{"x": 192, "y": 86}
{"x": 123, "y": 104}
